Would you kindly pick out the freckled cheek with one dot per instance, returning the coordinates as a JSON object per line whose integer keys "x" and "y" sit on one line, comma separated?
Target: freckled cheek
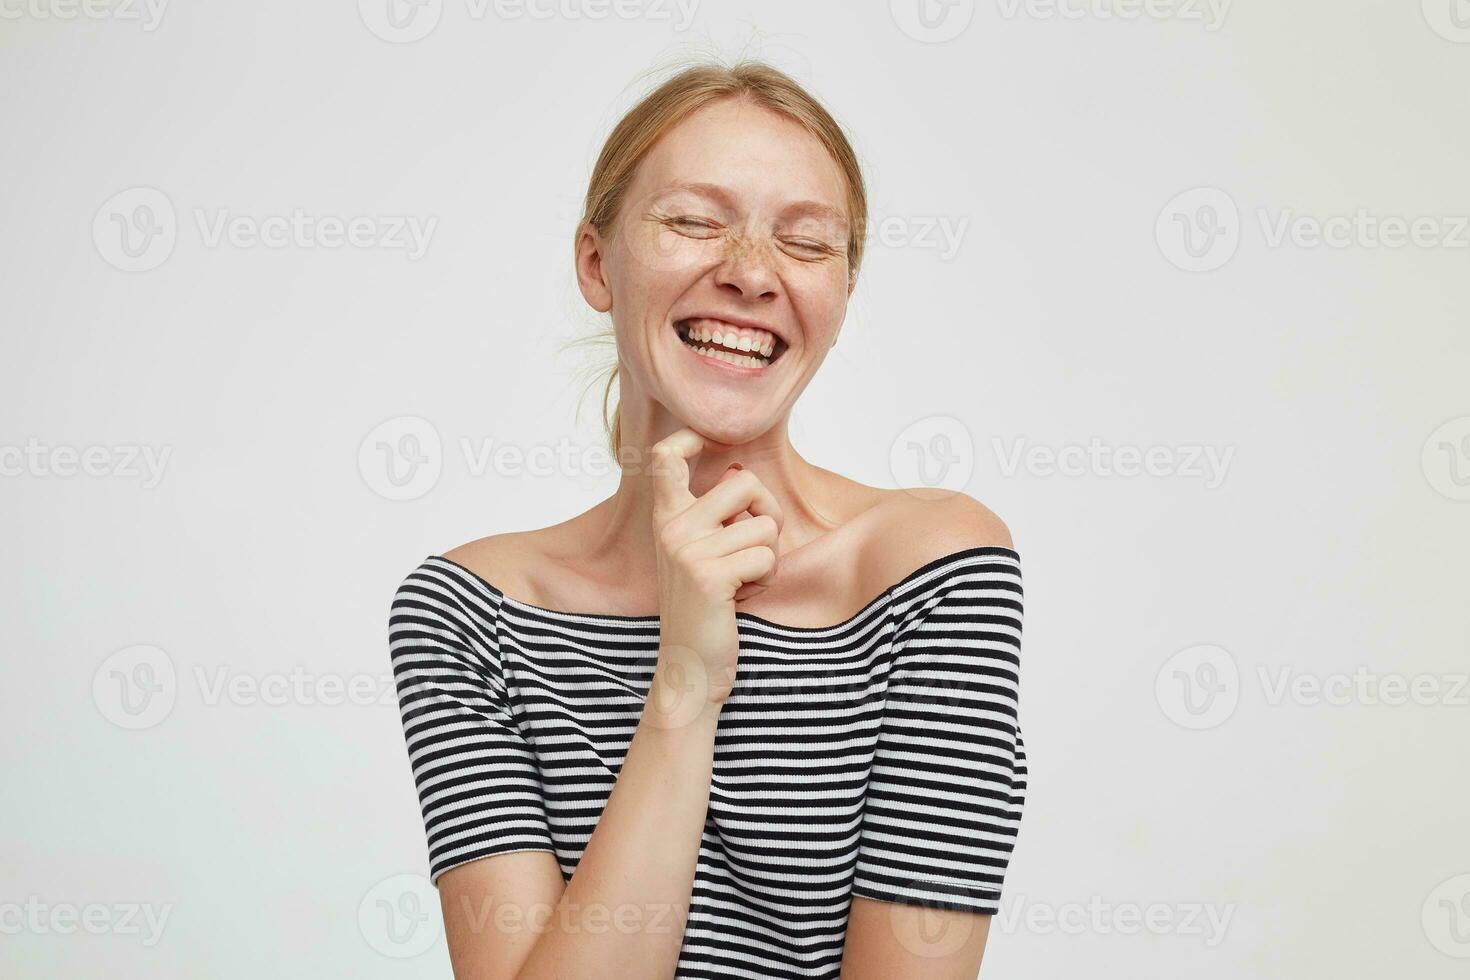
{"x": 819, "y": 298}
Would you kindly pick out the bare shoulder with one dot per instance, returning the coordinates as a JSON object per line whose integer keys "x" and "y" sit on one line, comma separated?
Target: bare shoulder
{"x": 545, "y": 566}
{"x": 509, "y": 560}
{"x": 915, "y": 527}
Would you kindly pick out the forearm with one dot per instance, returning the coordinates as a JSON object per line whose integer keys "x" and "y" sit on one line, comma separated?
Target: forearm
{"x": 623, "y": 912}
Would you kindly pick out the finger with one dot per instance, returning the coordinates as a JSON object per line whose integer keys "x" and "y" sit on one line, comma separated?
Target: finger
{"x": 730, "y": 471}
{"x": 746, "y": 591}
{"x": 727, "y": 498}
{"x": 669, "y": 467}
{"x": 752, "y": 564}
{"x": 736, "y": 538}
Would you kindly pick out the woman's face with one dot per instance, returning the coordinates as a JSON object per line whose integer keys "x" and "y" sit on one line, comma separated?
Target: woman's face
{"x": 734, "y": 230}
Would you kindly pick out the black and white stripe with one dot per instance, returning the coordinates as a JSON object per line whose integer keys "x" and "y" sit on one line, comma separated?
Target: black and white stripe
{"x": 879, "y": 757}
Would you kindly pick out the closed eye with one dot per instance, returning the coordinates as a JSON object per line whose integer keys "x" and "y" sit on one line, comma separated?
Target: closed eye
{"x": 810, "y": 247}
{"x": 693, "y": 226}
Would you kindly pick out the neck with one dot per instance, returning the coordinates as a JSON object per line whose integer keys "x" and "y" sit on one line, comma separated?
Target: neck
{"x": 624, "y": 521}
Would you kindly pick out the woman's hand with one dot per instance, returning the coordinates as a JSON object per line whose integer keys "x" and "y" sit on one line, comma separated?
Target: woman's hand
{"x": 703, "y": 562}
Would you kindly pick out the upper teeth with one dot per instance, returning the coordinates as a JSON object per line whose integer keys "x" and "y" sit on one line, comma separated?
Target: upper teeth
{"x": 735, "y": 338}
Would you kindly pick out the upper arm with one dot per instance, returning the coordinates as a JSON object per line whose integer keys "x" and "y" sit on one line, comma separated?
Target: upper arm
{"x": 476, "y": 774}
{"x": 949, "y": 775}
{"x": 897, "y": 939}
{"x": 494, "y": 910}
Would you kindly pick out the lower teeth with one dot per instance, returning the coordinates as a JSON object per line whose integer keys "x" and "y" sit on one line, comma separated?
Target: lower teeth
{"x": 729, "y": 357}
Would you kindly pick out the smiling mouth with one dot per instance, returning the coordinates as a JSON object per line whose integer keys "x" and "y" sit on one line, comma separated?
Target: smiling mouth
{"x": 741, "y": 348}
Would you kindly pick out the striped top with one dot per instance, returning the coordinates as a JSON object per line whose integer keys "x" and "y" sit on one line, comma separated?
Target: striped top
{"x": 880, "y": 757}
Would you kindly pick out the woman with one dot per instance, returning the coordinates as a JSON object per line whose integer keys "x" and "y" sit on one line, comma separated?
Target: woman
{"x": 604, "y": 793}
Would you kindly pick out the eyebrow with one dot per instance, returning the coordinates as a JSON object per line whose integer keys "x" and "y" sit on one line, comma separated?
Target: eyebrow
{"x": 723, "y": 194}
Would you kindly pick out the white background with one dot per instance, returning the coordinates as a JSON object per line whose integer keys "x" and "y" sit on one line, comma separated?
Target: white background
{"x": 1329, "y": 830}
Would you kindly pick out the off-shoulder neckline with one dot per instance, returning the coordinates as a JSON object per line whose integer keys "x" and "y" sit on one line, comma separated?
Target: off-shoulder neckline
{"x": 923, "y": 569}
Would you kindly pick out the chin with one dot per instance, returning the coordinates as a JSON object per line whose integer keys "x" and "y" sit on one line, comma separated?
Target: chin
{"x": 718, "y": 433}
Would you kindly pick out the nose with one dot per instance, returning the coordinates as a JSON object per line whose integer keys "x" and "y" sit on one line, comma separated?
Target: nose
{"x": 748, "y": 270}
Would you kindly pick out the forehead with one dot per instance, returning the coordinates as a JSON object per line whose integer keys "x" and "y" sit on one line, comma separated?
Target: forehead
{"x": 763, "y": 158}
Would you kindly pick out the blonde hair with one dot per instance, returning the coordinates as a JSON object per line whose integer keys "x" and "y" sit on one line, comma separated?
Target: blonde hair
{"x": 692, "y": 88}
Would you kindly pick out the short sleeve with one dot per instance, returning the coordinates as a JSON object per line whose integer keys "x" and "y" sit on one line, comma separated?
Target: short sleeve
{"x": 948, "y": 782}
{"x": 478, "y": 782}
